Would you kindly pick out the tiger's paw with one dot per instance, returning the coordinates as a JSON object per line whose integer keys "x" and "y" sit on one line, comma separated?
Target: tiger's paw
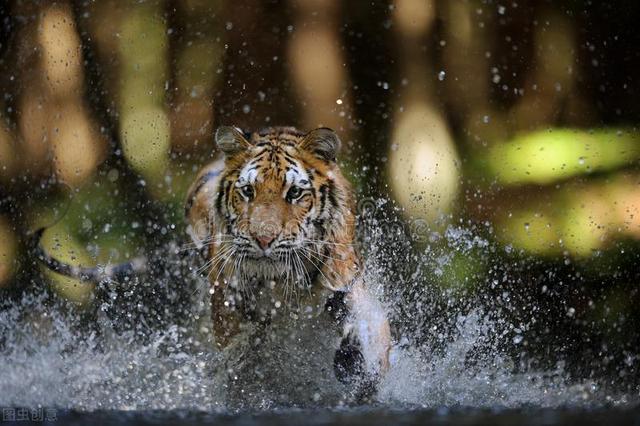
{"x": 349, "y": 368}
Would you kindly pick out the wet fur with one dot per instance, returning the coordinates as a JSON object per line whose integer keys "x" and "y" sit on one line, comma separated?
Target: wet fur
{"x": 311, "y": 263}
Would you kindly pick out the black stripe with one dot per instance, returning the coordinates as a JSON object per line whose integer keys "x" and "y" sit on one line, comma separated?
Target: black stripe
{"x": 319, "y": 224}
{"x": 332, "y": 195}
{"x": 201, "y": 182}
{"x": 259, "y": 156}
{"x": 323, "y": 196}
{"x": 221, "y": 192}
{"x": 228, "y": 192}
{"x": 311, "y": 176}
{"x": 290, "y": 161}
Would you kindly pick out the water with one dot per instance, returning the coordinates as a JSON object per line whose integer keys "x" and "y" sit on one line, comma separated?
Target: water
{"x": 146, "y": 351}
{"x": 162, "y": 373}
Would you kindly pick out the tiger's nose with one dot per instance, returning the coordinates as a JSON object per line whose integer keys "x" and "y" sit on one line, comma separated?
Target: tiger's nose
{"x": 265, "y": 240}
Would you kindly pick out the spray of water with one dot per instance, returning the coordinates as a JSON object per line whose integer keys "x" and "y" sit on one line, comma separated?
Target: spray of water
{"x": 450, "y": 349}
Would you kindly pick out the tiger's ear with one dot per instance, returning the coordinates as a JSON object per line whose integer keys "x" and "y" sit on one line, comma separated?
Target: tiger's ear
{"x": 322, "y": 142}
{"x": 230, "y": 140}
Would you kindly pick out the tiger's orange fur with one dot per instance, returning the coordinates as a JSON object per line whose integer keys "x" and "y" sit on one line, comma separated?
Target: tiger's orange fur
{"x": 276, "y": 213}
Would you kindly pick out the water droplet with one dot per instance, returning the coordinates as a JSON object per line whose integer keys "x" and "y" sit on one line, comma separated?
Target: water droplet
{"x": 441, "y": 75}
{"x": 113, "y": 175}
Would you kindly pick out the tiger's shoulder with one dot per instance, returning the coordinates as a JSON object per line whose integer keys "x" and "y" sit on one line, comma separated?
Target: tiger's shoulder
{"x": 200, "y": 197}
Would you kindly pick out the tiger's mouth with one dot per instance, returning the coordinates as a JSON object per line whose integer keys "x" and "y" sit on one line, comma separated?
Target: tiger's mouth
{"x": 272, "y": 255}
{"x": 275, "y": 267}
{"x": 285, "y": 260}
{"x": 279, "y": 250}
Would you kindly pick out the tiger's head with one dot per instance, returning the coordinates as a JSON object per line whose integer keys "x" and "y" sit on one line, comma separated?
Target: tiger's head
{"x": 283, "y": 201}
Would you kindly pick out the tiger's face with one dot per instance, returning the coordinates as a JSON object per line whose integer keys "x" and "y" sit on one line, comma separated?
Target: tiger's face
{"x": 283, "y": 198}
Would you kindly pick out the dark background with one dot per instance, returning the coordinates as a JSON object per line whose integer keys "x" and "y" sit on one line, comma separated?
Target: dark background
{"x": 516, "y": 121}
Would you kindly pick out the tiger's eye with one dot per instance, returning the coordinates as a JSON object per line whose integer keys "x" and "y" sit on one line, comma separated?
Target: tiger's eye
{"x": 247, "y": 191}
{"x": 294, "y": 193}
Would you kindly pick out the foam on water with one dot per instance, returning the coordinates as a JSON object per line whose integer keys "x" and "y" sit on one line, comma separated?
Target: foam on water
{"x": 446, "y": 379}
{"x": 119, "y": 372}
{"x": 47, "y": 359}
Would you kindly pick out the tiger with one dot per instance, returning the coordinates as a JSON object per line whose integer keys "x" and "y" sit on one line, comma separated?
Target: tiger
{"x": 274, "y": 215}
{"x": 275, "y": 211}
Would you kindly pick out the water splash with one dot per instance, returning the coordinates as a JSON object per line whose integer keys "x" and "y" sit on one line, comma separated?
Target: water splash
{"x": 450, "y": 350}
{"x": 431, "y": 379}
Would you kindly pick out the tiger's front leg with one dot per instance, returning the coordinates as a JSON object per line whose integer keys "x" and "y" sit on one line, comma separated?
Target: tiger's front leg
{"x": 363, "y": 356}
{"x": 225, "y": 317}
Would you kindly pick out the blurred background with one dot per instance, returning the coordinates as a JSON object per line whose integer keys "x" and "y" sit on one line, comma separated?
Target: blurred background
{"x": 516, "y": 120}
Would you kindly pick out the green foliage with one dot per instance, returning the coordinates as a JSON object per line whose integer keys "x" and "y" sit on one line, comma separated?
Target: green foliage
{"x": 547, "y": 156}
